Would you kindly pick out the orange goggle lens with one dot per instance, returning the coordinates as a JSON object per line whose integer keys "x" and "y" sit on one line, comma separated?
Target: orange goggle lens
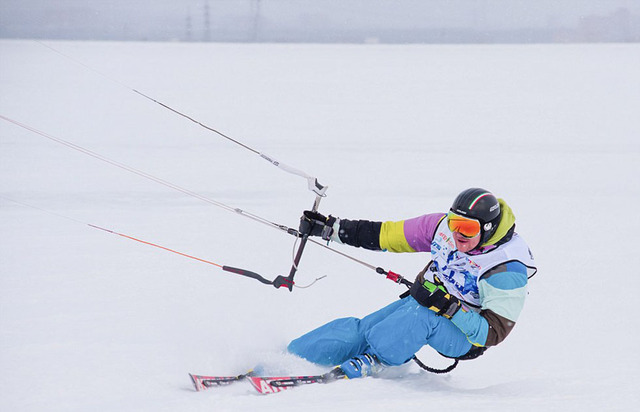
{"x": 466, "y": 227}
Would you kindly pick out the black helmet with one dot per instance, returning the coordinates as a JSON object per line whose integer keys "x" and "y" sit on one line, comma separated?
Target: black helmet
{"x": 479, "y": 204}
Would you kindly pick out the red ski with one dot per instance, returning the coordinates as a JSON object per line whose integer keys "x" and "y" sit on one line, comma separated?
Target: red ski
{"x": 272, "y": 384}
{"x": 265, "y": 384}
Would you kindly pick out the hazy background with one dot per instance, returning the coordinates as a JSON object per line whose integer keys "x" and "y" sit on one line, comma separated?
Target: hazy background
{"x": 355, "y": 21}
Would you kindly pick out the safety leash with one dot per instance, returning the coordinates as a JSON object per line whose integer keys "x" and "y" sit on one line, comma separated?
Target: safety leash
{"x": 434, "y": 370}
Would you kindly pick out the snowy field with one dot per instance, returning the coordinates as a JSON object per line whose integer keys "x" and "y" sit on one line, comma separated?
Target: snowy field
{"x": 93, "y": 321}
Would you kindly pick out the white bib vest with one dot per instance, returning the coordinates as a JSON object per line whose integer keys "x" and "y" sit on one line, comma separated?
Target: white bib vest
{"x": 460, "y": 272}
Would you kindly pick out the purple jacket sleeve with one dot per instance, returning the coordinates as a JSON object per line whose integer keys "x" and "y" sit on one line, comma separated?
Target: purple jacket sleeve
{"x": 419, "y": 231}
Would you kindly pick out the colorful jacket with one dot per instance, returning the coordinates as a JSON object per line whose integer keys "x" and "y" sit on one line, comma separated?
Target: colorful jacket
{"x": 493, "y": 295}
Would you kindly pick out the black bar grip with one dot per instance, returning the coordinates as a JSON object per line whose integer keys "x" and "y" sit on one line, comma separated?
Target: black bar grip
{"x": 247, "y": 273}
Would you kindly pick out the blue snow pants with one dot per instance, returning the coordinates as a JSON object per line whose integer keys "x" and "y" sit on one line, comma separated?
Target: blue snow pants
{"x": 394, "y": 334}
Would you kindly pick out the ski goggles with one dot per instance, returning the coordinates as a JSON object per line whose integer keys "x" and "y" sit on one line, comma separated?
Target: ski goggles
{"x": 467, "y": 227}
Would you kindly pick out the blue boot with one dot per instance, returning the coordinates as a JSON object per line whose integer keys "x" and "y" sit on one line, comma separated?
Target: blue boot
{"x": 361, "y": 366}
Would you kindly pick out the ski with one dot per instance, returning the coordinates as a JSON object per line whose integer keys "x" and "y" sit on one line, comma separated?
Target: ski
{"x": 264, "y": 384}
{"x": 202, "y": 382}
{"x": 274, "y": 384}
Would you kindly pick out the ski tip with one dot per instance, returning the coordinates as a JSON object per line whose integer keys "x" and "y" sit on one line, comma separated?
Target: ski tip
{"x": 202, "y": 382}
{"x": 197, "y": 385}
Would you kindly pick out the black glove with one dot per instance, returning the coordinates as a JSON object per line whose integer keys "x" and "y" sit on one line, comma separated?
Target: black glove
{"x": 315, "y": 224}
{"x": 435, "y": 297}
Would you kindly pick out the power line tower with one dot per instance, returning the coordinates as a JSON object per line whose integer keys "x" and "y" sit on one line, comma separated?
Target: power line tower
{"x": 189, "y": 26}
{"x": 207, "y": 22}
{"x": 256, "y": 20}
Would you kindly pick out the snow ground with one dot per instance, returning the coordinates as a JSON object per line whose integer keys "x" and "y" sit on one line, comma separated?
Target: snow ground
{"x": 92, "y": 321}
